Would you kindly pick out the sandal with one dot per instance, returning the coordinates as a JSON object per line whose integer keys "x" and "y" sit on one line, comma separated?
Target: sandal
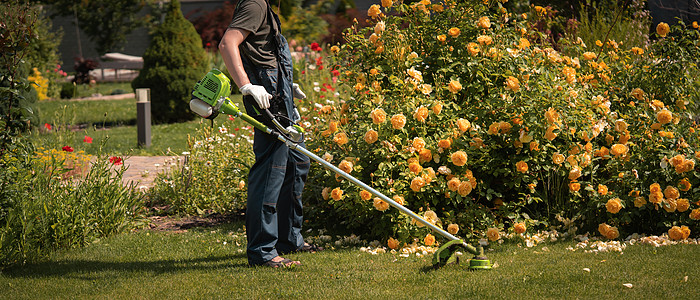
{"x": 285, "y": 263}
{"x": 310, "y": 248}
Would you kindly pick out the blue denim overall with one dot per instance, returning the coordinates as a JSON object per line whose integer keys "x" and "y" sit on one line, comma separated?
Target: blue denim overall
{"x": 276, "y": 180}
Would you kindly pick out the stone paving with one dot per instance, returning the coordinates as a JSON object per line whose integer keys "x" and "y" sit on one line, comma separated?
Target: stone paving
{"x": 143, "y": 169}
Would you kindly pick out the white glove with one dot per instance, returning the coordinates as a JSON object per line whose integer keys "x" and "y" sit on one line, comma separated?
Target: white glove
{"x": 261, "y": 96}
{"x": 296, "y": 90}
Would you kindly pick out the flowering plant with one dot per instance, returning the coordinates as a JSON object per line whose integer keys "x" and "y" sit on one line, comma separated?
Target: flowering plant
{"x": 465, "y": 112}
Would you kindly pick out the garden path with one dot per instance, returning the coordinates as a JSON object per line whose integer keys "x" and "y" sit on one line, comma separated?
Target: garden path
{"x": 142, "y": 170}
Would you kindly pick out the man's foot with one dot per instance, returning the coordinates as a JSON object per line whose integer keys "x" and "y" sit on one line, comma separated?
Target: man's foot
{"x": 280, "y": 262}
{"x": 310, "y": 248}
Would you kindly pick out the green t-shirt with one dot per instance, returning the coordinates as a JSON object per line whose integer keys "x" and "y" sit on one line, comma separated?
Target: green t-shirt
{"x": 259, "y": 46}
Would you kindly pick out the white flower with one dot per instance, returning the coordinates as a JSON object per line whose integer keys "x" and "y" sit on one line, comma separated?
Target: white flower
{"x": 185, "y": 153}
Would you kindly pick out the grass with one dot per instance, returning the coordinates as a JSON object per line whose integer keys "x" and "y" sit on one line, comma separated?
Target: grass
{"x": 112, "y": 125}
{"x": 197, "y": 264}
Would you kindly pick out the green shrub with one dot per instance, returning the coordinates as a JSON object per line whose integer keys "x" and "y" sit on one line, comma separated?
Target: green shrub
{"x": 68, "y": 90}
{"x": 53, "y": 200}
{"x": 485, "y": 124}
{"x": 212, "y": 176}
{"x": 172, "y": 64}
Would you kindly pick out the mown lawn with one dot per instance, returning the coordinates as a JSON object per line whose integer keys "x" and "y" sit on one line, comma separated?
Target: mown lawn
{"x": 211, "y": 263}
{"x": 112, "y": 126}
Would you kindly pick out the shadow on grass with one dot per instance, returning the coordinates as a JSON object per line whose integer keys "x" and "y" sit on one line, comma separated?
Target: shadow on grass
{"x": 94, "y": 270}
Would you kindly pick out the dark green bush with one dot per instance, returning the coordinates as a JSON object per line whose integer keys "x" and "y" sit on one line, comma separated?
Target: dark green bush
{"x": 172, "y": 64}
{"x": 68, "y": 90}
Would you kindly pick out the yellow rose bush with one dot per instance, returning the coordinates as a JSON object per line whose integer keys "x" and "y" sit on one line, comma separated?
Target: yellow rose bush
{"x": 466, "y": 104}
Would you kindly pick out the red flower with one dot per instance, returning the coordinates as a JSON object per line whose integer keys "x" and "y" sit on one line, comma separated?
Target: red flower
{"x": 115, "y": 160}
{"x": 87, "y": 139}
{"x": 315, "y": 46}
{"x": 335, "y": 72}
{"x": 47, "y": 126}
{"x": 67, "y": 148}
{"x": 231, "y": 118}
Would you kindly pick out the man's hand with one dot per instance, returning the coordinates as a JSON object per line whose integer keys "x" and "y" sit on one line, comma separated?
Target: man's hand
{"x": 296, "y": 90}
{"x": 261, "y": 96}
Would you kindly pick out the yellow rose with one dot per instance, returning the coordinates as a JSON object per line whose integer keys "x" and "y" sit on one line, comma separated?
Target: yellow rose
{"x": 493, "y": 234}
{"x": 603, "y": 229}
{"x": 415, "y": 168}
{"x": 654, "y": 187}
{"x": 524, "y": 43}
{"x": 365, "y": 195}
{"x": 695, "y": 24}
{"x": 454, "y": 32}
{"x": 637, "y": 50}
{"x": 618, "y": 149}
{"x": 335, "y": 49}
{"x": 425, "y": 154}
{"x": 371, "y": 136}
{"x": 473, "y": 48}
{"x": 340, "y": 139}
{"x": 557, "y": 158}
{"x": 662, "y": 29}
{"x": 521, "y": 167}
{"x": 695, "y": 214}
{"x": 380, "y": 205}
{"x": 682, "y": 205}
{"x": 552, "y": 116}
{"x": 374, "y": 11}
{"x": 437, "y": 108}
{"x": 589, "y": 55}
{"x": 387, "y": 3}
{"x": 418, "y": 143}
{"x": 336, "y": 194}
{"x": 484, "y": 40}
{"x": 429, "y": 240}
{"x": 575, "y": 173}
{"x": 664, "y": 116}
{"x": 459, "y": 158}
{"x": 464, "y": 188}
{"x": 379, "y": 27}
{"x": 671, "y": 192}
{"x": 398, "y": 121}
{"x": 602, "y": 189}
{"x": 512, "y": 84}
{"x": 656, "y": 197}
{"x": 393, "y": 243}
{"x": 550, "y": 135}
{"x": 519, "y": 228}
{"x": 639, "y": 202}
{"x": 675, "y": 233}
{"x": 453, "y": 228}
{"x": 345, "y": 166}
{"x": 612, "y": 233}
{"x": 613, "y": 205}
{"x": 484, "y": 22}
{"x": 417, "y": 183}
{"x": 379, "y": 50}
{"x": 378, "y": 116}
{"x": 463, "y": 125}
{"x": 442, "y": 38}
{"x": 453, "y": 184}
{"x": 421, "y": 114}
{"x": 686, "y": 231}
{"x": 398, "y": 199}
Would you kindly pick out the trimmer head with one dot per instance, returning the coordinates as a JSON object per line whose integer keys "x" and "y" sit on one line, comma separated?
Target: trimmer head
{"x": 452, "y": 253}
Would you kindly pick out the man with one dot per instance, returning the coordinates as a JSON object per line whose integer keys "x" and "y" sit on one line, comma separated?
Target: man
{"x": 257, "y": 57}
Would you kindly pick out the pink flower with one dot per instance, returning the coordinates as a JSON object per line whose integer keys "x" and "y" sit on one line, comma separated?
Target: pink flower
{"x": 116, "y": 160}
{"x": 47, "y": 126}
{"x": 87, "y": 139}
{"x": 315, "y": 46}
{"x": 67, "y": 148}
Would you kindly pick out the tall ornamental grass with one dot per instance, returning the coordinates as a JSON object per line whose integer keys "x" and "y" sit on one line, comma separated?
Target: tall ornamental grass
{"x": 465, "y": 114}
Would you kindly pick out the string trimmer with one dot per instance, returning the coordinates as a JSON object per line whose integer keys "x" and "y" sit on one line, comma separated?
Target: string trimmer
{"x": 211, "y": 97}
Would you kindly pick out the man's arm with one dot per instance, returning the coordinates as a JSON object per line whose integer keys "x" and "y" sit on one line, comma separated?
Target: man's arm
{"x": 228, "y": 47}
